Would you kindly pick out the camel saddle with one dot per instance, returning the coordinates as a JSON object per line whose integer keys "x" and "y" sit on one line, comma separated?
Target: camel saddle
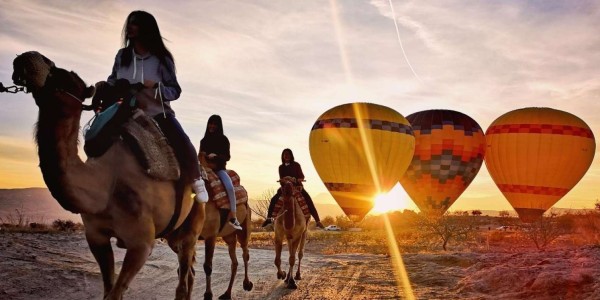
{"x": 219, "y": 195}
{"x": 298, "y": 195}
{"x": 122, "y": 120}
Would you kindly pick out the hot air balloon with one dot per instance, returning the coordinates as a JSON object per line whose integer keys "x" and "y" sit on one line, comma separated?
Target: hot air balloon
{"x": 536, "y": 155}
{"x": 449, "y": 150}
{"x": 360, "y": 150}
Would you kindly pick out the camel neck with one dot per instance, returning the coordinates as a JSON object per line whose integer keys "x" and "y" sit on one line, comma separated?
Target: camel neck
{"x": 62, "y": 169}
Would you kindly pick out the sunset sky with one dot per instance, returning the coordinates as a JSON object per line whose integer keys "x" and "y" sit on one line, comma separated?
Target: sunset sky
{"x": 271, "y": 68}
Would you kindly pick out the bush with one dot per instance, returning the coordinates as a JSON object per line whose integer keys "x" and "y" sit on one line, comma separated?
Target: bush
{"x": 64, "y": 225}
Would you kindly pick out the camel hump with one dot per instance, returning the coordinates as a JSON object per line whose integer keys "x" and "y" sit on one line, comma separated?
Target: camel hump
{"x": 217, "y": 189}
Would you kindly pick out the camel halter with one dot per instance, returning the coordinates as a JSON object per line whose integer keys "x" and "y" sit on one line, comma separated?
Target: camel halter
{"x": 16, "y": 89}
{"x": 59, "y": 90}
{"x": 12, "y": 89}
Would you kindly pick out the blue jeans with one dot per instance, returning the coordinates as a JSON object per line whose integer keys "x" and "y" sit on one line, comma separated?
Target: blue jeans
{"x": 226, "y": 180}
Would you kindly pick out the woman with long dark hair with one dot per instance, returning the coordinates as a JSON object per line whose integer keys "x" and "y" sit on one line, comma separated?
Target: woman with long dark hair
{"x": 147, "y": 64}
{"x": 214, "y": 146}
{"x": 289, "y": 167}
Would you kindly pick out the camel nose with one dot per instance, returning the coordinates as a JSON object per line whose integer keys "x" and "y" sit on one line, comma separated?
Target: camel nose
{"x": 17, "y": 78}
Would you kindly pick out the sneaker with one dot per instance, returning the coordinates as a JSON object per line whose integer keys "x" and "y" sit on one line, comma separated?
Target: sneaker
{"x": 320, "y": 225}
{"x": 235, "y": 224}
{"x": 200, "y": 190}
{"x": 267, "y": 222}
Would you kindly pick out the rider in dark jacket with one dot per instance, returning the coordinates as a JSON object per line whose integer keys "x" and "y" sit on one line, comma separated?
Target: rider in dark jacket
{"x": 291, "y": 168}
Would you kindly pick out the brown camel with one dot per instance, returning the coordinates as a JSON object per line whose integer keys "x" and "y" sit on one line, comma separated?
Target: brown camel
{"x": 112, "y": 193}
{"x": 293, "y": 225}
{"x": 215, "y": 225}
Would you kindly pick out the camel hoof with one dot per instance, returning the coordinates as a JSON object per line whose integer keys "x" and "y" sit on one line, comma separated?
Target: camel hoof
{"x": 225, "y": 296}
{"x": 298, "y": 277}
{"x": 248, "y": 285}
{"x": 292, "y": 284}
{"x": 281, "y": 275}
{"x": 208, "y": 296}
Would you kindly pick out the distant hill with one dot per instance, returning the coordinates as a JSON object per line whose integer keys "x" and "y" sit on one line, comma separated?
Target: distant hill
{"x": 36, "y": 204}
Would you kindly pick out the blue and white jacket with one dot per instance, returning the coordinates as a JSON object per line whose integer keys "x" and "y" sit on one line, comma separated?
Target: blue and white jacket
{"x": 152, "y": 101}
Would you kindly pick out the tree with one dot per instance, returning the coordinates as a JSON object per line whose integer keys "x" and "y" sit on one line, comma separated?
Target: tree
{"x": 545, "y": 230}
{"x": 260, "y": 206}
{"x": 328, "y": 220}
{"x": 343, "y": 222}
{"x": 447, "y": 227}
{"x": 597, "y": 205}
{"x": 504, "y": 214}
{"x": 476, "y": 213}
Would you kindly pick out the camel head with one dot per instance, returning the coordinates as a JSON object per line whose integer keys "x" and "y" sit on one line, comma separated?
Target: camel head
{"x": 31, "y": 69}
{"x": 38, "y": 74}
{"x": 287, "y": 186}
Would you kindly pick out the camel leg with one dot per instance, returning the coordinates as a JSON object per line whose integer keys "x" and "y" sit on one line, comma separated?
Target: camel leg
{"x": 231, "y": 241}
{"x": 209, "y": 247}
{"x": 278, "y": 248}
{"x": 186, "y": 251}
{"x": 300, "y": 254}
{"x": 292, "y": 246}
{"x": 243, "y": 238}
{"x": 134, "y": 260}
{"x": 102, "y": 251}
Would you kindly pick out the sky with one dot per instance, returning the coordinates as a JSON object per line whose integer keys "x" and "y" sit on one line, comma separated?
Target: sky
{"x": 271, "y": 68}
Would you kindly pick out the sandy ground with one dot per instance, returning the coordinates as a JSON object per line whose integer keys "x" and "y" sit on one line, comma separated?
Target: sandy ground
{"x": 60, "y": 266}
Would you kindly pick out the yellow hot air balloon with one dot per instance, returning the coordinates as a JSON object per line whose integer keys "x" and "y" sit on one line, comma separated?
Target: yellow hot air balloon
{"x": 449, "y": 152}
{"x": 536, "y": 155}
{"x": 360, "y": 150}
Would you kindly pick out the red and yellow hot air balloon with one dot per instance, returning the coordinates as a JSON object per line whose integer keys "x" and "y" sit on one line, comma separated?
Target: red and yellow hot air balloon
{"x": 536, "y": 155}
{"x": 449, "y": 151}
{"x": 359, "y": 150}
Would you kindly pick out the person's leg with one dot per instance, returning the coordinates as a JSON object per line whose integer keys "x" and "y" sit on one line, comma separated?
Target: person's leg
{"x": 312, "y": 208}
{"x": 229, "y": 190}
{"x": 184, "y": 152}
{"x": 271, "y": 208}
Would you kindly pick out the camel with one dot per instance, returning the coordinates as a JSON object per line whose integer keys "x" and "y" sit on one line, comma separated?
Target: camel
{"x": 112, "y": 193}
{"x": 212, "y": 229}
{"x": 293, "y": 225}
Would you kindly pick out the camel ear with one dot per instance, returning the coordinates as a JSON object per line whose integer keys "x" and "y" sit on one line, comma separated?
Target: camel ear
{"x": 89, "y": 92}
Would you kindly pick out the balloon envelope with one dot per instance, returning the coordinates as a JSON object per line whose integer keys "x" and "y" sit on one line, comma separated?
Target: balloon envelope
{"x": 449, "y": 151}
{"x": 536, "y": 155}
{"x": 359, "y": 150}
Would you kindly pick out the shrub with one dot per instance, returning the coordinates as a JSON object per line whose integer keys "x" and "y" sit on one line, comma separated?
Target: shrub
{"x": 64, "y": 225}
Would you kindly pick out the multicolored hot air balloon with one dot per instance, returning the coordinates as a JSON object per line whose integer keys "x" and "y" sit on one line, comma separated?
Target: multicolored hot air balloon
{"x": 359, "y": 151}
{"x": 449, "y": 152}
{"x": 536, "y": 156}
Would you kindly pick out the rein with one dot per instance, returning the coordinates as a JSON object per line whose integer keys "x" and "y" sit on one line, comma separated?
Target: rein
{"x": 83, "y": 106}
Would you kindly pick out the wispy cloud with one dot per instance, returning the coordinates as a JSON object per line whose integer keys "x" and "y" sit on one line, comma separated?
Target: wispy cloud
{"x": 270, "y": 68}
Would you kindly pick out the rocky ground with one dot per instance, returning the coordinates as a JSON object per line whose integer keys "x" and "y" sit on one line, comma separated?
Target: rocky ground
{"x": 60, "y": 266}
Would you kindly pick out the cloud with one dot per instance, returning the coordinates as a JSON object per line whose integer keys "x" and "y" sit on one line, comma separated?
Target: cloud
{"x": 270, "y": 68}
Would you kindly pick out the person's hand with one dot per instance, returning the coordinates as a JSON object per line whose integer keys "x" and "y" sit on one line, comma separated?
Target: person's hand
{"x": 137, "y": 86}
{"x": 212, "y": 155}
{"x": 149, "y": 83}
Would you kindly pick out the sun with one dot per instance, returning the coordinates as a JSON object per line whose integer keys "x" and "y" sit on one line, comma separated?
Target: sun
{"x": 394, "y": 200}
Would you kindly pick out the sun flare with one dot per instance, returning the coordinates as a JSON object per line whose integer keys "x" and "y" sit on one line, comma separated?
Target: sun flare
{"x": 394, "y": 200}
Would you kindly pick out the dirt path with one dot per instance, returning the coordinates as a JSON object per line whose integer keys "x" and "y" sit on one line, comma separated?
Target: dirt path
{"x": 60, "y": 266}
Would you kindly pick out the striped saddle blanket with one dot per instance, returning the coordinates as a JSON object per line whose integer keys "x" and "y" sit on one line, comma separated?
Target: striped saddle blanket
{"x": 298, "y": 195}
{"x": 219, "y": 195}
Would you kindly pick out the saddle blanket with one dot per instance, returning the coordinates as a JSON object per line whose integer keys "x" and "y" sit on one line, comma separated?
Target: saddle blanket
{"x": 298, "y": 195}
{"x": 219, "y": 195}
